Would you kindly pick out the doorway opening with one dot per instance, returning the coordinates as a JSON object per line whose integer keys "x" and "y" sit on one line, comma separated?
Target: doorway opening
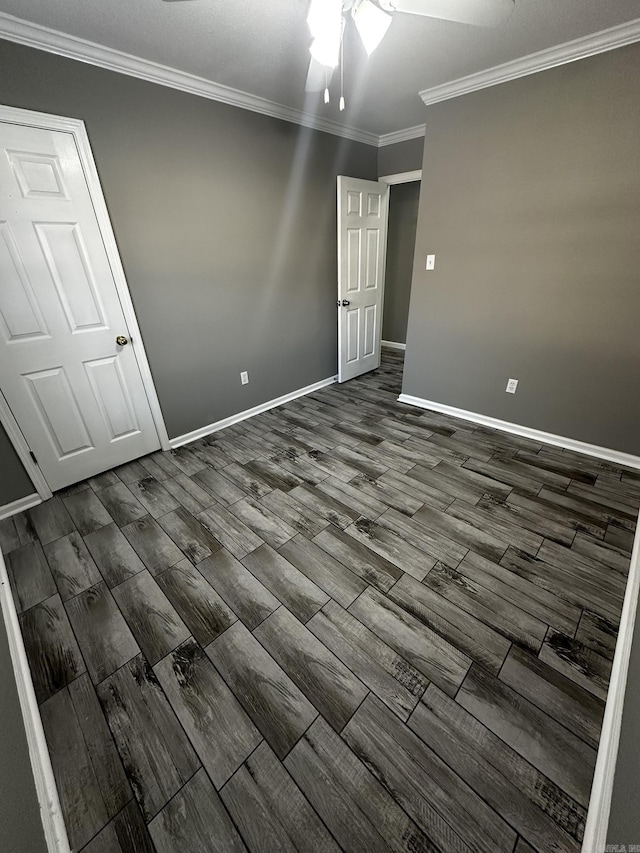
{"x": 404, "y": 197}
{"x": 377, "y": 222}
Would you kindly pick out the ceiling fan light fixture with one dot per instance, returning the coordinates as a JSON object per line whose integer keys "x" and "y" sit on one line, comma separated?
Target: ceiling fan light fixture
{"x": 325, "y": 23}
{"x": 323, "y": 15}
{"x": 372, "y": 24}
{"x": 326, "y": 51}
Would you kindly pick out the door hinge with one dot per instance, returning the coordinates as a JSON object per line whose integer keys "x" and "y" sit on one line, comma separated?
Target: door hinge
{"x": 33, "y": 456}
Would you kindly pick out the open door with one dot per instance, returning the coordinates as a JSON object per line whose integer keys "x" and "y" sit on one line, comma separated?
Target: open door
{"x": 68, "y": 366}
{"x": 363, "y": 208}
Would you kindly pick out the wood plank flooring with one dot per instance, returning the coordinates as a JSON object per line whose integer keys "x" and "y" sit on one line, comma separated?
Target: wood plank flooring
{"x": 344, "y": 624}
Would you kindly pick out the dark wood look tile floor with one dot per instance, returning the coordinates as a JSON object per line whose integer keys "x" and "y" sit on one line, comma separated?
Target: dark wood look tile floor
{"x": 344, "y": 624}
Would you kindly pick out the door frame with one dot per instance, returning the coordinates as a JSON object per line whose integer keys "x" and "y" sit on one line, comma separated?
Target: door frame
{"x": 76, "y": 127}
{"x": 402, "y": 177}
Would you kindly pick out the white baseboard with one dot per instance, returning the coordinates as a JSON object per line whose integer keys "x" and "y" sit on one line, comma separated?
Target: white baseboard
{"x": 615, "y": 456}
{"x": 19, "y": 505}
{"x": 179, "y": 440}
{"x": 393, "y": 345}
{"x": 50, "y": 812}
{"x": 595, "y": 833}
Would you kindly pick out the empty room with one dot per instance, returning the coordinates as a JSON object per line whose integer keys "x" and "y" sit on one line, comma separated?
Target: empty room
{"x": 319, "y": 426}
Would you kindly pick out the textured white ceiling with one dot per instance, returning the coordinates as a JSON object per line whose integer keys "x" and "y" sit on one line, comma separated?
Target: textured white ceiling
{"x": 261, "y": 46}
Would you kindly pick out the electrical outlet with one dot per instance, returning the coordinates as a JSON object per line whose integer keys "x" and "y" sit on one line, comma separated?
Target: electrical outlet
{"x": 431, "y": 262}
{"x": 244, "y": 377}
{"x": 512, "y": 386}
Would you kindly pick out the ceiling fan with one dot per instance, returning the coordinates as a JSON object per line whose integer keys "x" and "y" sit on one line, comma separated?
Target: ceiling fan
{"x": 327, "y": 20}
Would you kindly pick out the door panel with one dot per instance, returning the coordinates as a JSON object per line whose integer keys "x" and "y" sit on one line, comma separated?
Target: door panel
{"x": 369, "y": 345}
{"x": 372, "y": 277}
{"x": 68, "y": 265}
{"x": 19, "y": 309}
{"x": 59, "y": 412}
{"x": 353, "y": 260}
{"x": 362, "y": 237}
{"x": 113, "y": 396}
{"x": 353, "y": 330}
{"x": 78, "y": 398}
{"x": 354, "y": 202}
{"x": 38, "y": 176}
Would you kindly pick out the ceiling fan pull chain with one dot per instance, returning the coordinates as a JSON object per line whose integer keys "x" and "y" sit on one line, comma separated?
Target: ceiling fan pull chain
{"x": 342, "y": 72}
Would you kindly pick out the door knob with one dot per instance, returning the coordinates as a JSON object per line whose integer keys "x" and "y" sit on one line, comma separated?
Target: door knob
{"x": 121, "y": 341}
{"x": 346, "y": 302}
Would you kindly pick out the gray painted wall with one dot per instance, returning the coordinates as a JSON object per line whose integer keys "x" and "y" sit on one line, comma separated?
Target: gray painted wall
{"x": 531, "y": 203}
{"x": 14, "y": 480}
{"x": 401, "y": 157}
{"x": 20, "y": 824}
{"x": 226, "y": 224}
{"x": 401, "y": 240}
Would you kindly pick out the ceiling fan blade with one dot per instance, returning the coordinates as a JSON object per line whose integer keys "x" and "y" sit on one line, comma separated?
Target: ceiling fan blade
{"x": 479, "y": 13}
{"x": 318, "y": 76}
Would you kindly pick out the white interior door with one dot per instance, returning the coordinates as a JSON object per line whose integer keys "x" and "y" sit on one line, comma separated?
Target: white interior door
{"x": 77, "y": 395}
{"x": 363, "y": 209}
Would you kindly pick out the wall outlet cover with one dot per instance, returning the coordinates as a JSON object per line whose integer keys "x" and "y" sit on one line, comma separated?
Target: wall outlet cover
{"x": 244, "y": 377}
{"x": 512, "y": 386}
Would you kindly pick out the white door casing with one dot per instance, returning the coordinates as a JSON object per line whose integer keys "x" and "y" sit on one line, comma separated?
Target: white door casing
{"x": 78, "y": 398}
{"x": 363, "y": 208}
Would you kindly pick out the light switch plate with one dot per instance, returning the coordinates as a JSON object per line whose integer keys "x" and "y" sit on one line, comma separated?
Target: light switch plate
{"x": 244, "y": 377}
{"x": 431, "y": 262}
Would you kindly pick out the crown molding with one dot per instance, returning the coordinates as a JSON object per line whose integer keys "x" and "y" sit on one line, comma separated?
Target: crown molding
{"x": 402, "y": 135}
{"x": 562, "y": 54}
{"x": 53, "y": 41}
